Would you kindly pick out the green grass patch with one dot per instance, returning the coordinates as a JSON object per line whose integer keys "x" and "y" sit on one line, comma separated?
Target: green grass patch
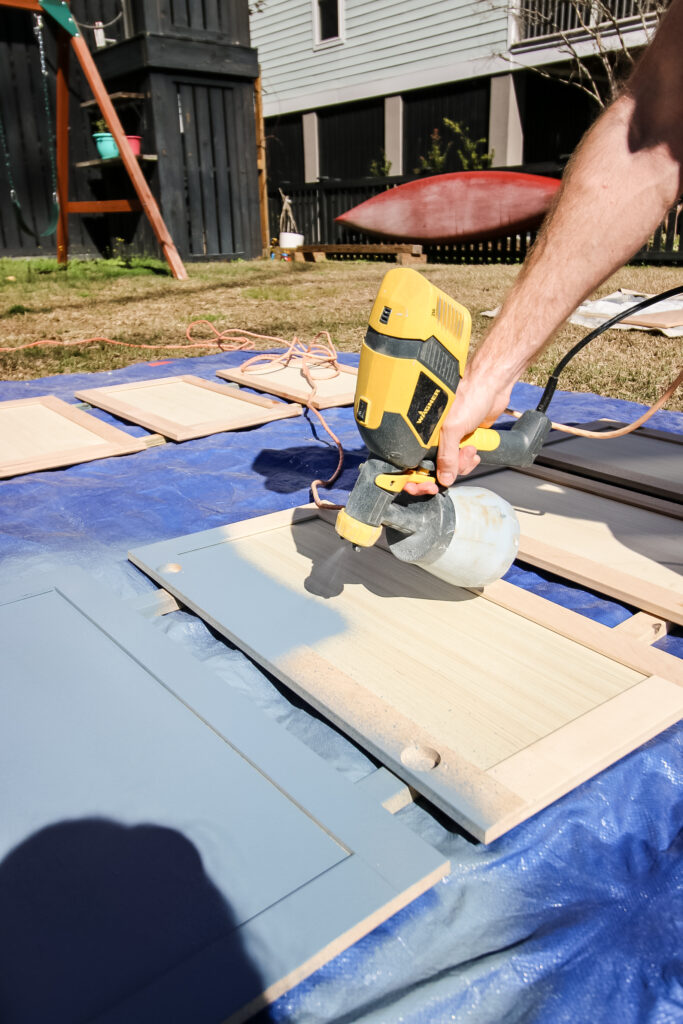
{"x": 17, "y": 310}
{"x": 79, "y": 271}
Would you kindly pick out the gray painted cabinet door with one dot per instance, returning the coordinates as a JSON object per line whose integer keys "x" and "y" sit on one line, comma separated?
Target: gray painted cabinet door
{"x": 167, "y": 851}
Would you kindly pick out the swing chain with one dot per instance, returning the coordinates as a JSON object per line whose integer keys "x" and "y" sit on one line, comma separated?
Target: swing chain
{"x": 14, "y": 198}
{"x": 38, "y": 32}
{"x": 8, "y": 165}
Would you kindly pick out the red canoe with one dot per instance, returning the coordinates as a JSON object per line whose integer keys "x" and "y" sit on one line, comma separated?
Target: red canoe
{"x": 463, "y": 207}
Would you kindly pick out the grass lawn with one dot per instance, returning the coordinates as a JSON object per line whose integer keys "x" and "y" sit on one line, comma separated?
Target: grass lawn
{"x": 142, "y": 304}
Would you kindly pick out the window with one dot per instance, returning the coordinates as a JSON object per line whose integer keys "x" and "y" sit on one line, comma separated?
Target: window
{"x": 328, "y": 21}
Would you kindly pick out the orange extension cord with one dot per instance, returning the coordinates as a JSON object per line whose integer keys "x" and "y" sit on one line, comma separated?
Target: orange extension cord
{"x": 318, "y": 362}
{"x": 314, "y": 357}
{"x": 621, "y": 431}
{"x": 317, "y": 356}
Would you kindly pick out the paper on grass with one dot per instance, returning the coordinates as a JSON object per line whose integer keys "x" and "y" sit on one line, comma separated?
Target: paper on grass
{"x": 593, "y": 314}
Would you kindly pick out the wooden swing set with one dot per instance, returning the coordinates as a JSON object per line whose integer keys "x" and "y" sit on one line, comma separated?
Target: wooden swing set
{"x": 68, "y": 36}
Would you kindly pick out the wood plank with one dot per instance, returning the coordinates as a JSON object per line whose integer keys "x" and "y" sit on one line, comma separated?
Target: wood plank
{"x": 217, "y": 99}
{"x": 261, "y": 165}
{"x": 599, "y": 487}
{"x": 638, "y": 460}
{"x": 45, "y": 433}
{"x": 239, "y": 125}
{"x": 441, "y": 684}
{"x": 253, "y": 880}
{"x": 186, "y": 95}
{"x": 208, "y": 171}
{"x": 212, "y": 21}
{"x": 169, "y": 142}
{"x": 25, "y": 5}
{"x": 387, "y": 790}
{"x": 628, "y": 553}
{"x": 196, "y": 13}
{"x": 117, "y": 161}
{"x": 154, "y": 603}
{"x": 115, "y": 97}
{"x": 86, "y": 206}
{"x": 548, "y": 768}
{"x": 377, "y": 249}
{"x": 669, "y": 318}
{"x": 186, "y": 406}
{"x": 62, "y": 143}
{"x": 289, "y": 382}
{"x": 644, "y": 627}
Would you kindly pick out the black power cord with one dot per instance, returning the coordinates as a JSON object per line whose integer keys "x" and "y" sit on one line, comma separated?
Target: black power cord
{"x": 551, "y": 386}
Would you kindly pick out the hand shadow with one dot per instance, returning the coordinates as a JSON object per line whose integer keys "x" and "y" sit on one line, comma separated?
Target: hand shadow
{"x": 120, "y": 924}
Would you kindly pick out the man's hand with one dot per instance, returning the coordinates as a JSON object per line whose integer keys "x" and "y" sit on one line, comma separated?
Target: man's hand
{"x": 477, "y": 403}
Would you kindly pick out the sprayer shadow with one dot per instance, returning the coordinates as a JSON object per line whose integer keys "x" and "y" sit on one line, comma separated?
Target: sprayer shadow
{"x": 336, "y": 566}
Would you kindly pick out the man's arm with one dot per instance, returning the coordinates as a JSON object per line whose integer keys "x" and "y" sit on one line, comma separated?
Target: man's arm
{"x": 625, "y": 175}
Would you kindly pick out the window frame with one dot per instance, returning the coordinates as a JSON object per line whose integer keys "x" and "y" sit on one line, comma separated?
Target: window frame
{"x": 323, "y": 44}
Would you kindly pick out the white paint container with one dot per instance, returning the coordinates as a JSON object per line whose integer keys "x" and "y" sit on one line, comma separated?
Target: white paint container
{"x": 485, "y": 540}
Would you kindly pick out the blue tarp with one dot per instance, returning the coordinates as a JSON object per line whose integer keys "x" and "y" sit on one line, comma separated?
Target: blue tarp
{"x": 576, "y": 915}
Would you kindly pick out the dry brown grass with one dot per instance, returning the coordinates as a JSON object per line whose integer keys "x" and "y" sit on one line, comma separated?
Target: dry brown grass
{"x": 284, "y": 299}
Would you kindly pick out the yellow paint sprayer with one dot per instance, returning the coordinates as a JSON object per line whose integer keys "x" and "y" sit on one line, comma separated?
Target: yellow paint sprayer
{"x": 411, "y": 363}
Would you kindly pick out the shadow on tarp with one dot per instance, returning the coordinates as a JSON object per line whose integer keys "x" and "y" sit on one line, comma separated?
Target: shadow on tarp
{"x": 287, "y": 470}
{"x": 100, "y": 921}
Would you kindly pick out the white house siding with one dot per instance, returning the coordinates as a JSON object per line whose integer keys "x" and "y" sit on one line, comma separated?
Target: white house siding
{"x": 389, "y": 46}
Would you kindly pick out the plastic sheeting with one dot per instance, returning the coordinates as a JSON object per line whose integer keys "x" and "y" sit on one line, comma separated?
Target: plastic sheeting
{"x": 576, "y": 915}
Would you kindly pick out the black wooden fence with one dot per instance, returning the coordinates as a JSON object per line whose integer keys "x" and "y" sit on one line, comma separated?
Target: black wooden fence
{"x": 315, "y": 206}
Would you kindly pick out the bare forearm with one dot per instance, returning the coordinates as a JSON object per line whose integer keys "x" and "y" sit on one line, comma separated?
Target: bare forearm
{"x": 612, "y": 200}
{"x": 623, "y": 178}
{"x": 625, "y": 175}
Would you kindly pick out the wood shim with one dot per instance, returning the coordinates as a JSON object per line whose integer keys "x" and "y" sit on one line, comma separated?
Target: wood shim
{"x": 628, "y": 553}
{"x": 491, "y": 705}
{"x": 45, "y": 433}
{"x": 185, "y": 407}
{"x": 289, "y": 382}
{"x": 271, "y": 863}
{"x": 669, "y": 318}
{"x": 646, "y": 460}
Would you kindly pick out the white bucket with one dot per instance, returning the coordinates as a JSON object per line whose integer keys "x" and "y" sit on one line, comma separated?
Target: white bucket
{"x": 290, "y": 240}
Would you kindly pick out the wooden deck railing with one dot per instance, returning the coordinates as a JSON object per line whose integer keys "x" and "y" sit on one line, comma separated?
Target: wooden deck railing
{"x": 537, "y": 19}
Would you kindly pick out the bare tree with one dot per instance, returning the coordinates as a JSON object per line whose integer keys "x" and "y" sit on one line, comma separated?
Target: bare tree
{"x": 607, "y": 24}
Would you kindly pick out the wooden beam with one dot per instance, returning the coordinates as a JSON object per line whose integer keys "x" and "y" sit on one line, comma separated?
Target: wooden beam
{"x": 147, "y": 200}
{"x": 104, "y": 206}
{"x": 87, "y": 104}
{"x": 115, "y": 161}
{"x": 24, "y": 5}
{"x": 187, "y": 56}
{"x": 62, "y": 143}
{"x": 261, "y": 164}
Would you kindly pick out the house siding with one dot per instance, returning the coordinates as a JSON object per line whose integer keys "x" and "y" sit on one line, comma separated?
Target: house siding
{"x": 383, "y": 41}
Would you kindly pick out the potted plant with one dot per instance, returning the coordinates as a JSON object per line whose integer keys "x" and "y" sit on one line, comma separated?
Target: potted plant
{"x": 289, "y": 235}
{"x": 104, "y": 140}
